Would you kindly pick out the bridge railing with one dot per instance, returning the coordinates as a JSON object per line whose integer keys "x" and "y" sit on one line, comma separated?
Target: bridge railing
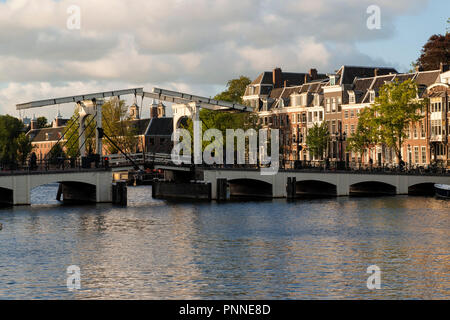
{"x": 57, "y": 164}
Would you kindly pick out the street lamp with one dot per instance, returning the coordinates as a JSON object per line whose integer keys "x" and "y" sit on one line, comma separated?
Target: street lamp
{"x": 340, "y": 138}
{"x": 298, "y": 140}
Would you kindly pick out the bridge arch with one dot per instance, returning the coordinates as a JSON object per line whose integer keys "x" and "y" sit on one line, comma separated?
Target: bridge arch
{"x": 6, "y": 197}
{"x": 372, "y": 188}
{"x": 315, "y": 188}
{"x": 71, "y": 189}
{"x": 250, "y": 188}
{"x": 421, "y": 189}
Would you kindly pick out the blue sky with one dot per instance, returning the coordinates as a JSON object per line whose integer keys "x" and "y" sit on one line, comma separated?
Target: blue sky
{"x": 411, "y": 33}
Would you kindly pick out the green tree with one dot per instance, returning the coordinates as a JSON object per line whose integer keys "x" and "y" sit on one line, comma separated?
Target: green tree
{"x": 366, "y": 135}
{"x": 56, "y": 153}
{"x": 235, "y": 90}
{"x": 24, "y": 147}
{"x": 317, "y": 139}
{"x": 223, "y": 120}
{"x": 42, "y": 122}
{"x": 396, "y": 107}
{"x": 118, "y": 126}
{"x": 10, "y": 129}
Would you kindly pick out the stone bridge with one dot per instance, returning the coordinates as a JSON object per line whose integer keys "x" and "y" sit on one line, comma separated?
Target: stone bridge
{"x": 80, "y": 186}
{"x": 295, "y": 184}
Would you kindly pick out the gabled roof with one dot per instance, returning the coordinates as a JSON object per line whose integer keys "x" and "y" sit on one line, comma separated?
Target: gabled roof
{"x": 140, "y": 126}
{"x": 427, "y": 78}
{"x": 160, "y": 127}
{"x": 349, "y": 73}
{"x": 46, "y": 134}
{"x": 263, "y": 78}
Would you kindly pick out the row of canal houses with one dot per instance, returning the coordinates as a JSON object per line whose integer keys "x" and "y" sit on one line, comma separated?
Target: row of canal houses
{"x": 294, "y": 102}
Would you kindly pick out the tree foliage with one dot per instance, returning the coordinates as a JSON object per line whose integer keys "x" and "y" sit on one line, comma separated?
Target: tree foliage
{"x": 42, "y": 122}
{"x": 366, "y": 135}
{"x": 396, "y": 107}
{"x": 115, "y": 123}
{"x": 10, "y": 130}
{"x": 235, "y": 90}
{"x": 56, "y": 154}
{"x": 435, "y": 51}
{"x": 223, "y": 120}
{"x": 317, "y": 139}
{"x": 117, "y": 126}
{"x": 24, "y": 147}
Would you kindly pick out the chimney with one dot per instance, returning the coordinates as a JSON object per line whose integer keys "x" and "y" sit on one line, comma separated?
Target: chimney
{"x": 33, "y": 123}
{"x": 285, "y": 83}
{"x": 276, "y": 77}
{"x": 375, "y": 72}
{"x": 313, "y": 74}
{"x": 134, "y": 112}
{"x": 305, "y": 80}
{"x": 153, "y": 110}
{"x": 444, "y": 67}
{"x": 58, "y": 121}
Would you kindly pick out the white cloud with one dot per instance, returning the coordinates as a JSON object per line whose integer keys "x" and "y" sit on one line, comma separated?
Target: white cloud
{"x": 186, "y": 44}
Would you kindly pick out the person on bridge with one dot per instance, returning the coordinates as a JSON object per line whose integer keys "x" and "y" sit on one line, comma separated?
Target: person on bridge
{"x": 33, "y": 161}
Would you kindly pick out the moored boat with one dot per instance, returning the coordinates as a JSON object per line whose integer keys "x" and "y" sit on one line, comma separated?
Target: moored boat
{"x": 442, "y": 190}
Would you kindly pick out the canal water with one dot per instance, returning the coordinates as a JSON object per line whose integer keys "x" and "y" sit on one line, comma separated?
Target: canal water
{"x": 308, "y": 249}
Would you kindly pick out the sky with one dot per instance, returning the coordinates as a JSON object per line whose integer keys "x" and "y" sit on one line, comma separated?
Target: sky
{"x": 195, "y": 46}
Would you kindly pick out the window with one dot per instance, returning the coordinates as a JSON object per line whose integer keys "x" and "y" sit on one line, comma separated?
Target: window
{"x": 299, "y": 117}
{"x": 352, "y": 114}
{"x": 424, "y": 155}
{"x": 415, "y": 132}
{"x": 333, "y": 104}
{"x": 333, "y": 127}
{"x": 416, "y": 155}
{"x": 422, "y": 130}
{"x": 309, "y": 116}
{"x": 436, "y": 127}
{"x": 346, "y": 114}
{"x": 351, "y": 97}
{"x": 332, "y": 80}
{"x": 293, "y": 118}
{"x": 352, "y": 129}
{"x": 328, "y": 105}
{"x": 316, "y": 100}
{"x": 320, "y": 115}
{"x": 339, "y": 103}
{"x": 304, "y": 117}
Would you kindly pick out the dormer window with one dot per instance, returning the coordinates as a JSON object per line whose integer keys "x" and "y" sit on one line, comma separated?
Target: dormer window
{"x": 372, "y": 96}
{"x": 316, "y": 100}
{"x": 303, "y": 100}
{"x": 332, "y": 80}
{"x": 46, "y": 136}
{"x": 351, "y": 96}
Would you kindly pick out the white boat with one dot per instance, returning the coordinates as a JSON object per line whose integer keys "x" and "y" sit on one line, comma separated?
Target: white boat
{"x": 442, "y": 190}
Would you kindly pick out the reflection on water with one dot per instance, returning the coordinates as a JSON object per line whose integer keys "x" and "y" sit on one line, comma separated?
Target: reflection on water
{"x": 267, "y": 250}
